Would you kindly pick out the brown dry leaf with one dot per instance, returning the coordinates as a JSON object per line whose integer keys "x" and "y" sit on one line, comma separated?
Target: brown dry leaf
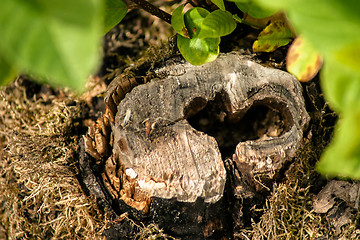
{"x": 303, "y": 60}
{"x": 275, "y": 35}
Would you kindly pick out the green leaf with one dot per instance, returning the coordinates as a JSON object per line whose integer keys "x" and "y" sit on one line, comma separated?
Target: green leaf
{"x": 198, "y": 51}
{"x": 178, "y": 22}
{"x": 193, "y": 20}
{"x": 303, "y": 60}
{"x": 342, "y": 157}
{"x": 328, "y": 24}
{"x": 237, "y": 18}
{"x": 341, "y": 85}
{"x": 276, "y": 5}
{"x": 350, "y": 55}
{"x": 115, "y": 11}
{"x": 253, "y": 9}
{"x": 219, "y": 3}
{"x": 275, "y": 35}
{"x": 7, "y": 73}
{"x": 57, "y": 40}
{"x": 314, "y": 22}
{"x": 217, "y": 24}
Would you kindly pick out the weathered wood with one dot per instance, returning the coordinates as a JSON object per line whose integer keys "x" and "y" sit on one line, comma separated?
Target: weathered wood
{"x": 339, "y": 202}
{"x": 166, "y": 104}
{"x": 157, "y": 156}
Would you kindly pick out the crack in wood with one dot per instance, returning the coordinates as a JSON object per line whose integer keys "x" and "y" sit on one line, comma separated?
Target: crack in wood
{"x": 160, "y": 133}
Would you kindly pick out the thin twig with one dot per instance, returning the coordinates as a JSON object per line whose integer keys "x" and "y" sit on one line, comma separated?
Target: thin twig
{"x": 148, "y": 7}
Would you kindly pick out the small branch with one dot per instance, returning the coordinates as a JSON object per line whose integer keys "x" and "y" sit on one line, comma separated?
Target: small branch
{"x": 148, "y": 7}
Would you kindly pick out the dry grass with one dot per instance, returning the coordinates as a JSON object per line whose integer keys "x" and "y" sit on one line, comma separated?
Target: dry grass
{"x": 288, "y": 215}
{"x": 288, "y": 211}
{"x": 40, "y": 196}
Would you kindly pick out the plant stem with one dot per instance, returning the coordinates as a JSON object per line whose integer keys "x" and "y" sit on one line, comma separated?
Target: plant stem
{"x": 148, "y": 7}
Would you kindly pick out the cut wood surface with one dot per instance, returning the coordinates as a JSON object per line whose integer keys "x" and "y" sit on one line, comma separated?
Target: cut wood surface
{"x": 170, "y": 159}
{"x": 163, "y": 148}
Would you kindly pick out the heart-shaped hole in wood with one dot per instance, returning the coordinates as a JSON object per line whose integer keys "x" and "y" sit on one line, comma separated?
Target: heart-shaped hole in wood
{"x": 260, "y": 122}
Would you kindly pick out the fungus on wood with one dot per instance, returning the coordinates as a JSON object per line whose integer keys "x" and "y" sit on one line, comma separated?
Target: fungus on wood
{"x": 170, "y": 138}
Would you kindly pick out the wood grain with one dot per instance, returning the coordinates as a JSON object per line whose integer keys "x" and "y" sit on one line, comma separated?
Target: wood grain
{"x": 159, "y": 160}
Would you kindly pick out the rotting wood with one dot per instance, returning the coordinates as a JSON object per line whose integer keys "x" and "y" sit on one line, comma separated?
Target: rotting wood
{"x": 157, "y": 156}
{"x": 339, "y": 202}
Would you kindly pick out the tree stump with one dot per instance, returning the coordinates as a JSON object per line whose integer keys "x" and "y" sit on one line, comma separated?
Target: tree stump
{"x": 170, "y": 138}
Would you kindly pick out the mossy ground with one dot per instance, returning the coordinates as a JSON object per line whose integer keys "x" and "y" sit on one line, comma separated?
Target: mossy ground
{"x": 41, "y": 197}
{"x": 40, "y": 194}
{"x": 288, "y": 211}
